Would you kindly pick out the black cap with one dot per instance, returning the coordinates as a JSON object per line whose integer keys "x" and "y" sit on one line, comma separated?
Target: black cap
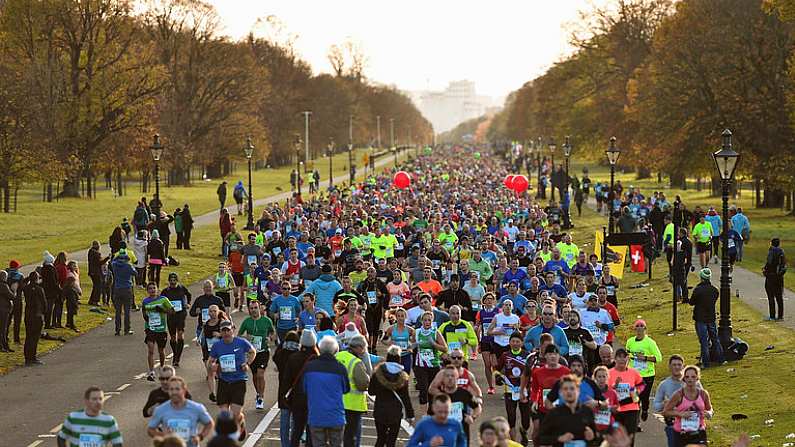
{"x": 551, "y": 348}
{"x": 325, "y": 269}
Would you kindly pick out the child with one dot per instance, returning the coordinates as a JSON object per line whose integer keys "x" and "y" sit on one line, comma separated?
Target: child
{"x": 125, "y": 225}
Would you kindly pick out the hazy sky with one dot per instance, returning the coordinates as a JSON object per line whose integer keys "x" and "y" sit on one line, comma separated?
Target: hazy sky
{"x": 423, "y": 44}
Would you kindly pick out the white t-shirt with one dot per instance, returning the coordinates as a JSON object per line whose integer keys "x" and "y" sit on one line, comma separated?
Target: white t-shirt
{"x": 504, "y": 321}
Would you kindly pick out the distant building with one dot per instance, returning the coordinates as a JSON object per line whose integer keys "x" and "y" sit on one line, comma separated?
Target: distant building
{"x": 457, "y": 103}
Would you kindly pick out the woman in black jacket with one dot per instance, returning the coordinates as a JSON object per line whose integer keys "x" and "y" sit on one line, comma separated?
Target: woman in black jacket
{"x": 157, "y": 257}
{"x": 390, "y": 386}
{"x": 35, "y": 306}
{"x": 71, "y": 295}
{"x": 280, "y": 357}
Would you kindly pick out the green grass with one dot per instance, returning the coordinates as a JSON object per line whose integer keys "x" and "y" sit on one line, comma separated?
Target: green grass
{"x": 759, "y": 386}
{"x": 71, "y": 224}
{"x": 766, "y": 223}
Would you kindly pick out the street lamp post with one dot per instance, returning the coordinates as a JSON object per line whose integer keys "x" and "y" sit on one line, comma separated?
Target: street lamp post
{"x": 612, "y": 156}
{"x": 298, "y": 165}
{"x": 726, "y": 162}
{"x": 539, "y": 161}
{"x": 157, "y": 152}
{"x": 330, "y": 158}
{"x": 351, "y": 168}
{"x": 567, "y": 154}
{"x": 249, "y": 151}
{"x": 307, "y": 114}
{"x": 552, "y": 147}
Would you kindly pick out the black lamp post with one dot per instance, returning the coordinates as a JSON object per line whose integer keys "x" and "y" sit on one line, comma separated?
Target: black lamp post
{"x": 298, "y": 165}
{"x": 552, "y": 147}
{"x": 612, "y": 156}
{"x": 726, "y": 162}
{"x": 248, "y": 149}
{"x": 539, "y": 160}
{"x": 330, "y": 153}
{"x": 567, "y": 154}
{"x": 351, "y": 167}
{"x": 157, "y": 152}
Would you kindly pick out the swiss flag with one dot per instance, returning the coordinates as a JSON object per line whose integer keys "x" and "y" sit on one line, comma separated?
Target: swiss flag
{"x": 637, "y": 257}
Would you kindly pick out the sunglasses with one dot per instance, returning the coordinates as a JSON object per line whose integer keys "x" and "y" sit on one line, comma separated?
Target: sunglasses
{"x": 456, "y": 358}
{"x": 547, "y": 314}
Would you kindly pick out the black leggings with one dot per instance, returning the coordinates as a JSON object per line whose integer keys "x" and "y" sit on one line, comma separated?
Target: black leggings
{"x": 424, "y": 377}
{"x": 387, "y": 433}
{"x": 646, "y": 394}
{"x": 510, "y": 410}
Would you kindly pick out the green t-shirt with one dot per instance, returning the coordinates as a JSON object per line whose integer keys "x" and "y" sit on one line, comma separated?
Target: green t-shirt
{"x": 367, "y": 242}
{"x": 448, "y": 240}
{"x": 702, "y": 232}
{"x": 379, "y": 244}
{"x": 569, "y": 252}
{"x": 258, "y": 331}
{"x": 356, "y": 242}
{"x": 646, "y": 347}
{"x": 668, "y": 234}
{"x": 156, "y": 319}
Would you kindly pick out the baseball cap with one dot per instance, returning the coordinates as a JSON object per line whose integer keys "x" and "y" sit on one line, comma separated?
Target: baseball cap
{"x": 226, "y": 324}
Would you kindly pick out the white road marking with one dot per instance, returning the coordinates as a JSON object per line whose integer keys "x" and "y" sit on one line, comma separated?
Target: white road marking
{"x": 47, "y": 436}
{"x": 56, "y": 429}
{"x": 123, "y": 387}
{"x": 35, "y": 443}
{"x": 170, "y": 355}
{"x": 139, "y": 376}
{"x": 255, "y": 435}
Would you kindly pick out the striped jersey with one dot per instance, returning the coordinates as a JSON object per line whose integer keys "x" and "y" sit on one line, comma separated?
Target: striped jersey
{"x": 82, "y": 430}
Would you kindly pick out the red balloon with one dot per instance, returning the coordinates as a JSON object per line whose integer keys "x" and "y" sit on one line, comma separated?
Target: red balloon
{"x": 508, "y": 181}
{"x": 520, "y": 184}
{"x": 402, "y": 180}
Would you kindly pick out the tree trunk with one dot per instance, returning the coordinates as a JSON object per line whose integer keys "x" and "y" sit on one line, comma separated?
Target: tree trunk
{"x": 773, "y": 198}
{"x": 71, "y": 188}
{"x": 49, "y": 192}
{"x": 788, "y": 202}
{"x": 757, "y": 192}
{"x": 643, "y": 172}
{"x": 6, "y": 193}
{"x": 215, "y": 170}
{"x": 659, "y": 176}
{"x": 717, "y": 188}
{"x": 698, "y": 184}
{"x": 678, "y": 180}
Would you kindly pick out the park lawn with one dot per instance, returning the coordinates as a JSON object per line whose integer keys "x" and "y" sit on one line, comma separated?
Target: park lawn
{"x": 759, "y": 386}
{"x": 766, "y": 223}
{"x": 71, "y": 224}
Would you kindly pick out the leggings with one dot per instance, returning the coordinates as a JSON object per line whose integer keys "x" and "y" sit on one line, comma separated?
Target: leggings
{"x": 510, "y": 410}
{"x": 424, "y": 377}
{"x": 387, "y": 433}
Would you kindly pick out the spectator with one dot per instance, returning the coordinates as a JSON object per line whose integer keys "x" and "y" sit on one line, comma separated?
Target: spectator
{"x": 325, "y": 382}
{"x": 703, "y": 300}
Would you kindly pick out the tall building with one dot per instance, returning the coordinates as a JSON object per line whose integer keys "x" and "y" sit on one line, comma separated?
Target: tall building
{"x": 457, "y": 103}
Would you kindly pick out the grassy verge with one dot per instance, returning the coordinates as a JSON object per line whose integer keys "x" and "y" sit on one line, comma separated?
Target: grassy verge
{"x": 759, "y": 386}
{"x": 71, "y": 224}
{"x": 766, "y": 223}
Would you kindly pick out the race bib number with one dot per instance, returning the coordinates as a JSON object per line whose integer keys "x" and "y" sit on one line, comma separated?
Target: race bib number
{"x": 575, "y": 348}
{"x": 623, "y": 391}
{"x": 640, "y": 365}
{"x": 602, "y": 417}
{"x": 177, "y": 305}
{"x": 257, "y": 342}
{"x": 436, "y": 263}
{"x": 90, "y": 440}
{"x": 691, "y": 424}
{"x": 475, "y": 306}
{"x": 403, "y": 344}
{"x": 396, "y": 300}
{"x": 453, "y": 345}
{"x": 294, "y": 280}
{"x": 263, "y": 286}
{"x": 337, "y": 253}
{"x": 227, "y": 362}
{"x": 427, "y": 355}
{"x": 545, "y": 392}
{"x": 154, "y": 320}
{"x": 611, "y": 290}
{"x": 221, "y": 282}
{"x": 457, "y": 411}
{"x": 371, "y": 297}
{"x": 516, "y": 371}
{"x": 251, "y": 259}
{"x": 285, "y": 312}
{"x": 731, "y": 243}
{"x": 181, "y": 428}
{"x": 205, "y": 315}
{"x": 211, "y": 342}
{"x": 515, "y": 393}
{"x": 575, "y": 443}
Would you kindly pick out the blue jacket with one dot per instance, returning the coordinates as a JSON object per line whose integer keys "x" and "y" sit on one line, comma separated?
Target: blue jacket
{"x": 324, "y": 289}
{"x": 532, "y": 339}
{"x": 716, "y": 222}
{"x": 123, "y": 272}
{"x": 740, "y": 223}
{"x": 324, "y": 382}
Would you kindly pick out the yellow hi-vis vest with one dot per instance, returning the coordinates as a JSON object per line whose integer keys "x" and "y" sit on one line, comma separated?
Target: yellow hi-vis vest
{"x": 354, "y": 400}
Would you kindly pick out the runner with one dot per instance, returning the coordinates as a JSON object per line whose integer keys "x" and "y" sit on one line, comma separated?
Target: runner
{"x": 181, "y": 416}
{"x": 233, "y": 356}
{"x": 645, "y": 355}
{"x": 201, "y": 307}
{"x": 180, "y": 299}
{"x": 90, "y": 426}
{"x": 156, "y": 308}
{"x": 464, "y": 407}
{"x": 439, "y": 429}
{"x": 483, "y": 320}
{"x": 459, "y": 334}
{"x": 402, "y": 336}
{"x": 502, "y": 326}
{"x": 509, "y": 370}
{"x": 690, "y": 407}
{"x": 542, "y": 380}
{"x": 628, "y": 384}
{"x": 571, "y": 423}
{"x": 258, "y": 329}
{"x": 665, "y": 390}
{"x": 285, "y": 309}
{"x": 430, "y": 344}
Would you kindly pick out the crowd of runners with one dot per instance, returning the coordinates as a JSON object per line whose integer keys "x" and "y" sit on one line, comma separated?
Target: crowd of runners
{"x": 454, "y": 288}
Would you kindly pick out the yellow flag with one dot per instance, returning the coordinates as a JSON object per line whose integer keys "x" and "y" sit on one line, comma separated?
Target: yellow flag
{"x": 616, "y": 256}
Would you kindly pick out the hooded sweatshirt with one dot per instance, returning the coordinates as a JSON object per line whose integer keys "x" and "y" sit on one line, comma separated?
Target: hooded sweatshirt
{"x": 324, "y": 289}
{"x": 123, "y": 272}
{"x": 391, "y": 392}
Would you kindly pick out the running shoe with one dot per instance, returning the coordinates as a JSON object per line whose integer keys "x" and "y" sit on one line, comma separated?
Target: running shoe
{"x": 212, "y": 397}
{"x": 491, "y": 390}
{"x": 260, "y": 405}
{"x": 151, "y": 376}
